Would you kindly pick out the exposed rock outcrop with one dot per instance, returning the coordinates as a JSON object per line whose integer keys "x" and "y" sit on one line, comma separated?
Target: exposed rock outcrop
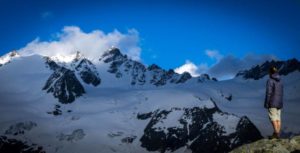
{"x": 63, "y": 83}
{"x": 271, "y": 146}
{"x": 8, "y": 145}
{"x": 202, "y": 130}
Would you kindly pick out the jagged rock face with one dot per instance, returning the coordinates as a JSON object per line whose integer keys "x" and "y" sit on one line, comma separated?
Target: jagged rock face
{"x": 198, "y": 128}
{"x": 203, "y": 78}
{"x": 116, "y": 59}
{"x": 15, "y": 146}
{"x": 88, "y": 72}
{"x": 120, "y": 64}
{"x": 153, "y": 67}
{"x": 259, "y": 71}
{"x": 138, "y": 74}
{"x": 63, "y": 83}
{"x": 159, "y": 76}
{"x": 184, "y": 77}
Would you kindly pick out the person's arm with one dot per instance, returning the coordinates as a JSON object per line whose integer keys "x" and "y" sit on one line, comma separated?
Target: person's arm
{"x": 269, "y": 92}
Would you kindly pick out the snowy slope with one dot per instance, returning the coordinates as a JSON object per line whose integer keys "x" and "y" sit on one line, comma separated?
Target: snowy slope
{"x": 248, "y": 99}
{"x": 116, "y": 104}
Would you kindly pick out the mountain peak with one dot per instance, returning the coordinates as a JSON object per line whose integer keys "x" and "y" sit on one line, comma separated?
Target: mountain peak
{"x": 153, "y": 67}
{"x": 78, "y": 56}
{"x": 113, "y": 54}
{"x": 259, "y": 71}
{"x": 67, "y": 58}
{"x": 113, "y": 51}
{"x": 8, "y": 57}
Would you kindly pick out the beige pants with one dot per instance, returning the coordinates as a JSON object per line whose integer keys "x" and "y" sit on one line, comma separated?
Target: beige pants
{"x": 274, "y": 114}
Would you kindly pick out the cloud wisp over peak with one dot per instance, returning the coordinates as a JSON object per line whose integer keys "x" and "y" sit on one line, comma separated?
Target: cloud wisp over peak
{"x": 188, "y": 67}
{"x": 91, "y": 44}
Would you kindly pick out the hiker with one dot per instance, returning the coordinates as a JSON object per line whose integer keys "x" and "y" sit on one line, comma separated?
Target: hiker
{"x": 274, "y": 101}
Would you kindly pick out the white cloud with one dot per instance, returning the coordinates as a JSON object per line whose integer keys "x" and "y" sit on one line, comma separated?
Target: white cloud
{"x": 214, "y": 54}
{"x": 188, "y": 67}
{"x": 92, "y": 45}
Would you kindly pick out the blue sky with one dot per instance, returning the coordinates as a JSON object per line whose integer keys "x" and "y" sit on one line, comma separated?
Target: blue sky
{"x": 170, "y": 32}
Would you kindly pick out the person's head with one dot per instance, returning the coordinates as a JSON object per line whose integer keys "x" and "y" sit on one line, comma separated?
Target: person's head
{"x": 272, "y": 70}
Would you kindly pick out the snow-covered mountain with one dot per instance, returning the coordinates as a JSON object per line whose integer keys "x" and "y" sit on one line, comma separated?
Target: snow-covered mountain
{"x": 259, "y": 71}
{"x": 121, "y": 66}
{"x": 67, "y": 80}
{"x": 115, "y": 104}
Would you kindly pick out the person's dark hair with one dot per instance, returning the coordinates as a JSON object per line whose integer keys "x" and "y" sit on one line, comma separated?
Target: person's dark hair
{"x": 273, "y": 70}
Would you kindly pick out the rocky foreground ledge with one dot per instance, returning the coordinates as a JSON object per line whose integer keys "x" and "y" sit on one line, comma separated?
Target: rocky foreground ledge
{"x": 271, "y": 146}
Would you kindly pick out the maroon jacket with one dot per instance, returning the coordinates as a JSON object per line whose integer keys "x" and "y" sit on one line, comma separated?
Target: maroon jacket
{"x": 274, "y": 92}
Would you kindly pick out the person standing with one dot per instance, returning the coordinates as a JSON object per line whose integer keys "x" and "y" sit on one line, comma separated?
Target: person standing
{"x": 274, "y": 101}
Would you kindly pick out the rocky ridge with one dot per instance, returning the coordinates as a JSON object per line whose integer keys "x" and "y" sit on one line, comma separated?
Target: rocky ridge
{"x": 291, "y": 145}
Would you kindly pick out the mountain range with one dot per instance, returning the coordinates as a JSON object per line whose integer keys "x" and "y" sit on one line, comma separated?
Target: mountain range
{"x": 116, "y": 104}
